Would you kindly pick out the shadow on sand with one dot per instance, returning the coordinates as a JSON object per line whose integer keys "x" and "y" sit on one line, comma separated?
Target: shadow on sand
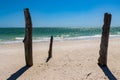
{"x": 107, "y": 72}
{"x": 48, "y": 59}
{"x": 18, "y": 73}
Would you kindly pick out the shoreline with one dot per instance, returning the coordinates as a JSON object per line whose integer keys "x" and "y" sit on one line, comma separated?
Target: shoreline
{"x": 56, "y": 39}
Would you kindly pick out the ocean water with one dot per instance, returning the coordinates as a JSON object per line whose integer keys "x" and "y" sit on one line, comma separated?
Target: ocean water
{"x": 13, "y": 35}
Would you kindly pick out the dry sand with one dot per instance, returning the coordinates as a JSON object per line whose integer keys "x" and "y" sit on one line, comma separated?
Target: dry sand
{"x": 72, "y": 60}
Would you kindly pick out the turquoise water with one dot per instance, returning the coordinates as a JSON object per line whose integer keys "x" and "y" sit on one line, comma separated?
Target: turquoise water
{"x": 43, "y": 34}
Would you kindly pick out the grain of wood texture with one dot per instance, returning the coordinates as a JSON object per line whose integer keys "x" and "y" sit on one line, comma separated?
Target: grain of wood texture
{"x": 28, "y": 38}
{"x": 50, "y": 49}
{"x": 104, "y": 40}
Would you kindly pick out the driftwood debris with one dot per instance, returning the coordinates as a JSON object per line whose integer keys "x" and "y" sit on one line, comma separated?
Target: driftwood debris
{"x": 104, "y": 40}
{"x": 28, "y": 38}
{"x": 50, "y": 49}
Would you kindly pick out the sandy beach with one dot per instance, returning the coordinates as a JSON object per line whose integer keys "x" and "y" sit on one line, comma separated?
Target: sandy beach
{"x": 72, "y": 60}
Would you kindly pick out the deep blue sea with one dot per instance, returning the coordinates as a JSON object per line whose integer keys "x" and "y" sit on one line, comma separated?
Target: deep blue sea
{"x": 12, "y": 35}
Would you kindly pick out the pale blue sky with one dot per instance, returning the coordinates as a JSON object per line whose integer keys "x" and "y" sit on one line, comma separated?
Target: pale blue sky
{"x": 59, "y": 13}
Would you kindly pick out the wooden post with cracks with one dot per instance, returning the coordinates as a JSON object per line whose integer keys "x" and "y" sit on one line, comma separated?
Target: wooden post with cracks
{"x": 50, "y": 49}
{"x": 102, "y": 60}
{"x": 28, "y": 38}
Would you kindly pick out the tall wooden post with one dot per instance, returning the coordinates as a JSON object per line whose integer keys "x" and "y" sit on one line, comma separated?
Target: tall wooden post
{"x": 104, "y": 40}
{"x": 28, "y": 38}
{"x": 50, "y": 49}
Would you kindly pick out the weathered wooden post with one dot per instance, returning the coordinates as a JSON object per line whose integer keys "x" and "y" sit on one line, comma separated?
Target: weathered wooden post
{"x": 104, "y": 40}
{"x": 50, "y": 49}
{"x": 28, "y": 38}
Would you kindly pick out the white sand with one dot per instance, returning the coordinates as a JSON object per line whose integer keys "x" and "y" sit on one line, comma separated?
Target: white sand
{"x": 72, "y": 60}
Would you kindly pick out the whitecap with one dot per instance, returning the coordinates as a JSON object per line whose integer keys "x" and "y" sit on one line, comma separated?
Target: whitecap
{"x": 19, "y": 38}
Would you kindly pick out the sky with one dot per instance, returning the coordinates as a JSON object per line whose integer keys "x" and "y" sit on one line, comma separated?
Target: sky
{"x": 59, "y": 13}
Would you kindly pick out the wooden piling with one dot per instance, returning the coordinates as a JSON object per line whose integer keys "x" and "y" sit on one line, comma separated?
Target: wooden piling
{"x": 102, "y": 60}
{"x": 50, "y": 49}
{"x": 28, "y": 38}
